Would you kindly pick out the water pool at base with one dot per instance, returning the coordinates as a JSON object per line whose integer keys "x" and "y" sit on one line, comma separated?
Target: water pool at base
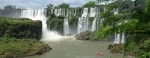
{"x": 78, "y": 49}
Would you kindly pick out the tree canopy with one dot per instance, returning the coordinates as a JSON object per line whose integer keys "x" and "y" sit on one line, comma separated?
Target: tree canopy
{"x": 63, "y": 5}
{"x": 90, "y": 4}
{"x": 49, "y": 6}
{"x": 9, "y": 7}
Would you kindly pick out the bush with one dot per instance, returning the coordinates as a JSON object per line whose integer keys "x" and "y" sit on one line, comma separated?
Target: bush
{"x": 20, "y": 28}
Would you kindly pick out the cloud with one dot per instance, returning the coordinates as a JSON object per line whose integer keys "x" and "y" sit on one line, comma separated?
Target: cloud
{"x": 40, "y": 4}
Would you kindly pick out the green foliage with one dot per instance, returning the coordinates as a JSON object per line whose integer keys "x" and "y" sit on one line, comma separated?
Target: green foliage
{"x": 20, "y": 28}
{"x": 126, "y": 27}
{"x": 56, "y": 24}
{"x": 136, "y": 29}
{"x": 104, "y": 32}
{"x": 145, "y": 52}
{"x": 148, "y": 6}
{"x": 89, "y": 4}
{"x": 9, "y": 7}
{"x": 49, "y": 6}
{"x": 63, "y": 5}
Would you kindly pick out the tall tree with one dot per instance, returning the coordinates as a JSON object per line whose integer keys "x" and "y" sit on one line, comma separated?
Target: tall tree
{"x": 49, "y": 6}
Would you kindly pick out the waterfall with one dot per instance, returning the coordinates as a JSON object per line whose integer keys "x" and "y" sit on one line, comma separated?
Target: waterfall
{"x": 92, "y": 12}
{"x": 94, "y": 25}
{"x": 33, "y": 14}
{"x": 118, "y": 39}
{"x": 52, "y": 10}
{"x": 115, "y": 40}
{"x": 117, "y": 36}
{"x": 66, "y": 27}
{"x": 116, "y": 12}
{"x": 105, "y": 9}
{"x": 40, "y": 15}
{"x": 123, "y": 37}
{"x": 59, "y": 12}
{"x": 82, "y": 25}
{"x": 79, "y": 28}
{"x": 75, "y": 12}
{"x": 83, "y": 22}
{"x": 85, "y": 12}
{"x": 123, "y": 34}
{"x": 56, "y": 11}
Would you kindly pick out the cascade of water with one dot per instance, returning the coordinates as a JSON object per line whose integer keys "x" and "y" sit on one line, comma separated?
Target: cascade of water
{"x": 105, "y": 9}
{"x": 66, "y": 27}
{"x": 59, "y": 12}
{"x": 115, "y": 40}
{"x": 67, "y": 13}
{"x": 116, "y": 12}
{"x": 85, "y": 12}
{"x": 83, "y": 24}
{"x": 94, "y": 25}
{"x": 56, "y": 11}
{"x": 92, "y": 12}
{"x": 52, "y": 10}
{"x": 40, "y": 15}
{"x": 75, "y": 12}
{"x": 118, "y": 39}
{"x": 123, "y": 37}
{"x": 123, "y": 34}
{"x": 64, "y": 13}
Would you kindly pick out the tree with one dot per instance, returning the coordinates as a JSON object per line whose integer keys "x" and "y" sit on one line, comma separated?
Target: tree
{"x": 63, "y": 5}
{"x": 9, "y": 7}
{"x": 89, "y": 4}
{"x": 49, "y": 6}
{"x": 148, "y": 6}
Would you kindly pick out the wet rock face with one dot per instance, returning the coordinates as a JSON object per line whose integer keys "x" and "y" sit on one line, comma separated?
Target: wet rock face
{"x": 87, "y": 35}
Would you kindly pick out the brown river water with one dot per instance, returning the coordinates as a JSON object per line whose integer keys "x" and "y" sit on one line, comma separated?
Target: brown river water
{"x": 71, "y": 48}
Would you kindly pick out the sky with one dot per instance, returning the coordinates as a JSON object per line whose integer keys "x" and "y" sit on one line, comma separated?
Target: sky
{"x": 40, "y": 4}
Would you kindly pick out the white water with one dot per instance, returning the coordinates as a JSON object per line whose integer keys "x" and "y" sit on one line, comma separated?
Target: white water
{"x": 55, "y": 11}
{"x": 59, "y": 12}
{"x": 92, "y": 12}
{"x": 118, "y": 39}
{"x": 94, "y": 25}
{"x": 85, "y": 12}
{"x": 123, "y": 38}
{"x": 83, "y": 24}
{"x": 66, "y": 27}
{"x": 115, "y": 11}
{"x": 75, "y": 12}
{"x": 47, "y": 35}
{"x": 118, "y": 36}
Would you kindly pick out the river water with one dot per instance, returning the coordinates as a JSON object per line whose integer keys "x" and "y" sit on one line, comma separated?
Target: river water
{"x": 78, "y": 49}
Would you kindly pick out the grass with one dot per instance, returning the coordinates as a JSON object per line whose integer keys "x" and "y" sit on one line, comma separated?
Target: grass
{"x": 16, "y": 48}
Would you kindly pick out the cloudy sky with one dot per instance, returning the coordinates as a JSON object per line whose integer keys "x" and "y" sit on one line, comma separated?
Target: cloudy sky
{"x": 40, "y": 4}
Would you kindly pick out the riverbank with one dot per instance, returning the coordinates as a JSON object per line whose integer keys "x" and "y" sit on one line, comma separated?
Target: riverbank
{"x": 18, "y": 48}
